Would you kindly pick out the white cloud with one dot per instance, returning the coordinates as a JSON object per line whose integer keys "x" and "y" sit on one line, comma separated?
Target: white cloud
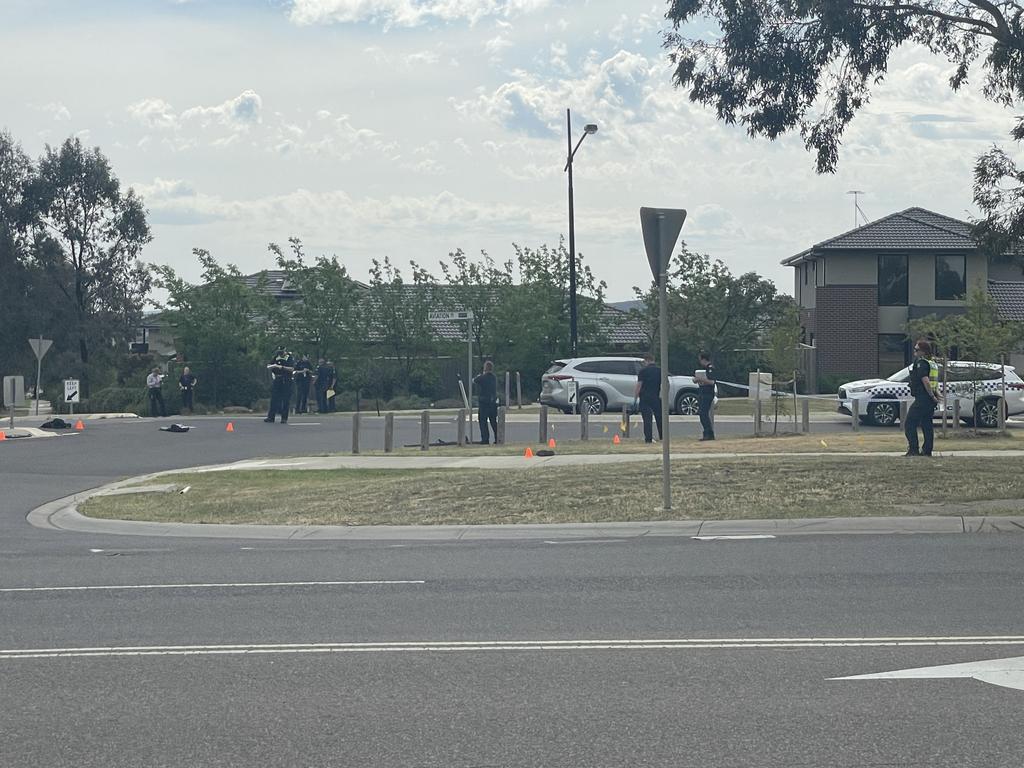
{"x": 407, "y": 13}
{"x": 154, "y": 113}
{"x": 56, "y": 110}
{"x": 243, "y": 110}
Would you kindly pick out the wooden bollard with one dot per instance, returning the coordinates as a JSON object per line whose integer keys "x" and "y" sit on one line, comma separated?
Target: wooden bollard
{"x": 904, "y": 409}
{"x": 855, "y": 414}
{"x": 584, "y": 424}
{"x": 543, "y": 425}
{"x": 805, "y": 423}
{"x": 956, "y": 414}
{"x": 625, "y": 420}
{"x": 499, "y": 436}
{"x": 355, "y": 432}
{"x": 389, "y": 433}
{"x": 424, "y": 430}
{"x": 460, "y": 427}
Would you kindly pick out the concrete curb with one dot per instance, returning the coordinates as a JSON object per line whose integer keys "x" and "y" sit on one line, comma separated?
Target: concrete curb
{"x": 63, "y": 515}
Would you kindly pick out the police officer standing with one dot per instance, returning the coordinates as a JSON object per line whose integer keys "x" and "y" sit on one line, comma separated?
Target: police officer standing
{"x": 706, "y": 395}
{"x": 187, "y": 384}
{"x": 156, "y": 397}
{"x": 323, "y": 383}
{"x": 280, "y": 367}
{"x": 487, "y": 392}
{"x": 648, "y": 390}
{"x": 924, "y": 376}
{"x": 303, "y": 371}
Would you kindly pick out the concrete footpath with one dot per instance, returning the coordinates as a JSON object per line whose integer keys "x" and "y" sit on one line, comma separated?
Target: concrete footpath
{"x": 63, "y": 515}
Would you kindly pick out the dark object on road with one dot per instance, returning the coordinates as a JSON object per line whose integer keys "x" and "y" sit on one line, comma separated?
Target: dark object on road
{"x": 176, "y": 428}
{"x": 438, "y": 442}
{"x": 55, "y": 424}
{"x": 544, "y": 452}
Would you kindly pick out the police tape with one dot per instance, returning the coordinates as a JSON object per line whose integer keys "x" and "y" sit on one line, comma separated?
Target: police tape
{"x": 770, "y": 392}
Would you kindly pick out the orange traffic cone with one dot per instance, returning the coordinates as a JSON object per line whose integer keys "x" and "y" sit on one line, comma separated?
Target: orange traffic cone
{"x": 615, "y": 440}
{"x": 3, "y": 435}
{"x": 79, "y": 425}
{"x": 528, "y": 453}
{"x": 551, "y": 443}
{"x": 230, "y": 427}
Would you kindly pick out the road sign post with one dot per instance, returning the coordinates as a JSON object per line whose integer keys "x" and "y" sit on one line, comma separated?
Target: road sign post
{"x": 439, "y": 317}
{"x": 40, "y": 346}
{"x": 661, "y": 228}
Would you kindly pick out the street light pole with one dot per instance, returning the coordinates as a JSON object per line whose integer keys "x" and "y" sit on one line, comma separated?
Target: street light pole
{"x": 573, "y": 313}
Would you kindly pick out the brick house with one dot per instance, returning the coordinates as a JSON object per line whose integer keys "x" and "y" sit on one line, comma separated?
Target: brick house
{"x": 856, "y": 291}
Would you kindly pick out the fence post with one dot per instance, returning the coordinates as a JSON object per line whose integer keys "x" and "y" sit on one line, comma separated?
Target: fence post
{"x": 584, "y": 424}
{"x": 625, "y": 420}
{"x": 805, "y": 425}
{"x": 424, "y": 430}
{"x": 544, "y": 425}
{"x": 355, "y": 432}
{"x": 499, "y": 437}
{"x": 855, "y": 414}
{"x": 904, "y": 409}
{"x": 757, "y": 416}
{"x": 460, "y": 427}
{"x": 956, "y": 414}
{"x": 519, "y": 390}
{"x": 389, "y": 433}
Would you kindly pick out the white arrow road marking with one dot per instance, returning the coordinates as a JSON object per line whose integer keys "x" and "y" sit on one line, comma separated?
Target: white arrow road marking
{"x": 235, "y": 585}
{"x": 1008, "y": 673}
{"x": 497, "y": 645}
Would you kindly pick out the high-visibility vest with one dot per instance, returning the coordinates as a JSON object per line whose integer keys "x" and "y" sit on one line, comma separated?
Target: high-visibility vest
{"x": 933, "y": 375}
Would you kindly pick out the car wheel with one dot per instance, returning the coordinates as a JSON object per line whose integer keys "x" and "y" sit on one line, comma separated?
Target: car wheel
{"x": 687, "y": 404}
{"x": 884, "y": 414}
{"x": 592, "y": 402}
{"x": 986, "y": 414}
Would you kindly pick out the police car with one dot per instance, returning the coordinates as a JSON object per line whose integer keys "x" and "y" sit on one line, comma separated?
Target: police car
{"x": 979, "y": 386}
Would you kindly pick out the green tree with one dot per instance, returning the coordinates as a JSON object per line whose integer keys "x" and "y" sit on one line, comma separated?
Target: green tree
{"x": 325, "y": 317}
{"x": 779, "y": 66}
{"x": 480, "y": 287}
{"x": 713, "y": 310}
{"x": 89, "y": 235}
{"x": 222, "y": 327}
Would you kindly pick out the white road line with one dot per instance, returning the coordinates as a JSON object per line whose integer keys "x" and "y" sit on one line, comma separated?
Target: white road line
{"x": 504, "y": 645}
{"x": 587, "y": 541}
{"x": 734, "y": 538}
{"x": 232, "y": 585}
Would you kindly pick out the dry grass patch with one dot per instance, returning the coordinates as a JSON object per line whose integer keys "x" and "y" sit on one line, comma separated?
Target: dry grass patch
{"x": 702, "y": 489}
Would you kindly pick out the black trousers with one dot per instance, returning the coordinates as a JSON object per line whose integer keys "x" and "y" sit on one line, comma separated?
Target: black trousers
{"x": 301, "y": 394}
{"x": 156, "y": 398}
{"x": 649, "y": 408}
{"x": 186, "y": 399}
{"x": 487, "y": 413}
{"x": 704, "y": 410}
{"x": 321, "y": 400}
{"x": 919, "y": 415}
{"x": 280, "y": 398}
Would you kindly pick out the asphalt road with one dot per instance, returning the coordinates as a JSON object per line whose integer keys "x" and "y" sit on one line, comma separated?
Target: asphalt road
{"x": 610, "y": 652}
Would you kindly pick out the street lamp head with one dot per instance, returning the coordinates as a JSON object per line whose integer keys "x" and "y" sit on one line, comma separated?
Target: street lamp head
{"x": 590, "y": 128}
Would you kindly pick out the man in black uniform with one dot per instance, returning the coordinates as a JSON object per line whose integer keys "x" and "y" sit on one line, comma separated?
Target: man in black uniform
{"x": 187, "y": 383}
{"x": 487, "y": 393}
{"x": 332, "y": 396}
{"x": 280, "y": 368}
{"x": 303, "y": 371}
{"x": 923, "y": 408}
{"x": 323, "y": 383}
{"x": 706, "y": 395}
{"x": 648, "y": 390}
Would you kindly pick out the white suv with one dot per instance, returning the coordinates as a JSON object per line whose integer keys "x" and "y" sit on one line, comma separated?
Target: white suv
{"x": 607, "y": 384}
{"x": 978, "y": 385}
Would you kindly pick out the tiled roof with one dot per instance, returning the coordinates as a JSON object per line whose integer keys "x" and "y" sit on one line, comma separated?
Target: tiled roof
{"x": 912, "y": 229}
{"x": 276, "y": 283}
{"x": 1009, "y": 298}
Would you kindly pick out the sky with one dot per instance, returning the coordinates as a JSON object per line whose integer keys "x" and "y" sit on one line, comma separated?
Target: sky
{"x": 412, "y": 128}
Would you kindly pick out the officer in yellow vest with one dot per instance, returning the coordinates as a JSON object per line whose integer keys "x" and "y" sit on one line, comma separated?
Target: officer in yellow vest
{"x": 924, "y": 386}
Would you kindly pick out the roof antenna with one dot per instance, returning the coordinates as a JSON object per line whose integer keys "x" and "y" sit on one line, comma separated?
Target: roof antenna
{"x": 857, "y": 212}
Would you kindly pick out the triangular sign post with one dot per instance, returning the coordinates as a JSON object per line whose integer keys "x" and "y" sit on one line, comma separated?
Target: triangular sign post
{"x": 661, "y": 227}
{"x": 40, "y": 346}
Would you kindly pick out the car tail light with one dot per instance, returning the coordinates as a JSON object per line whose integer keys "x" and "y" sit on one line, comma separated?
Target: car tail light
{"x": 559, "y": 377}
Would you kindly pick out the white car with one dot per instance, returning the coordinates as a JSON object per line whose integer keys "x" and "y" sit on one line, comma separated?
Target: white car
{"x": 607, "y": 384}
{"x": 979, "y": 386}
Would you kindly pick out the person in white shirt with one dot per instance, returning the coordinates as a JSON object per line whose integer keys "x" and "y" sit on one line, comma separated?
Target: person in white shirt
{"x": 156, "y": 396}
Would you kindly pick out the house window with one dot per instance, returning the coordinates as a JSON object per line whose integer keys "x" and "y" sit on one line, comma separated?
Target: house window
{"x": 892, "y": 353}
{"x": 950, "y": 276}
{"x": 892, "y": 280}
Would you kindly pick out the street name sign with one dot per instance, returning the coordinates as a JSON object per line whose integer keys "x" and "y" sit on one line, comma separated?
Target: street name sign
{"x": 440, "y": 316}
{"x": 71, "y": 391}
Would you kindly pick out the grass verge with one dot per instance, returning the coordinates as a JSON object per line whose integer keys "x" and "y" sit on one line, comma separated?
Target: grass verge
{"x": 770, "y": 487}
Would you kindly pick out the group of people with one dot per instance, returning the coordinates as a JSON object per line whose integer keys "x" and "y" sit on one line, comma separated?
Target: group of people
{"x": 285, "y": 372}
{"x": 648, "y": 396}
{"x": 187, "y": 384}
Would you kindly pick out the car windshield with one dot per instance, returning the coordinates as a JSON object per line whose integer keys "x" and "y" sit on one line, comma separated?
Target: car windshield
{"x": 902, "y": 375}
